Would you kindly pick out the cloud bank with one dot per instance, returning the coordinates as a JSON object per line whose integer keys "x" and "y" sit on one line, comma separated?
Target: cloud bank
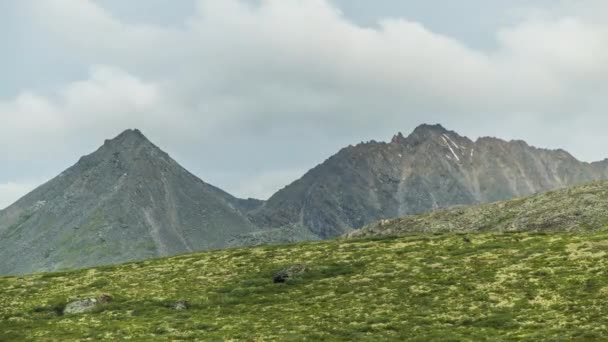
{"x": 267, "y": 88}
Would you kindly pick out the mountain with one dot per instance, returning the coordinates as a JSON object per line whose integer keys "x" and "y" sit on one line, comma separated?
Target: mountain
{"x": 126, "y": 201}
{"x": 430, "y": 169}
{"x": 576, "y": 209}
{"x": 129, "y": 200}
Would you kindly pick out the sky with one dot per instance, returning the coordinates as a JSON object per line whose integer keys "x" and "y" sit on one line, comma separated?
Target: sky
{"x": 250, "y": 94}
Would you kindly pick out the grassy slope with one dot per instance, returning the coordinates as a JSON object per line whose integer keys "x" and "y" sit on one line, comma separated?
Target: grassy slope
{"x": 578, "y": 209}
{"x": 501, "y": 286}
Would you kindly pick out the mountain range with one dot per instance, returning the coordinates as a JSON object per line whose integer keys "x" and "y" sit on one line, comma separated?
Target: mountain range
{"x": 129, "y": 200}
{"x": 430, "y": 169}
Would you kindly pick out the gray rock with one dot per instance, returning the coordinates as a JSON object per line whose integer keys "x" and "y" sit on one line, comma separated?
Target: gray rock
{"x": 180, "y": 305}
{"x": 86, "y": 305}
{"x": 81, "y": 306}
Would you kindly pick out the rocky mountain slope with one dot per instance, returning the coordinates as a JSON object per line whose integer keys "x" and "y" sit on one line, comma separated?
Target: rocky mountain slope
{"x": 128, "y": 200}
{"x": 430, "y": 169}
{"x": 582, "y": 208}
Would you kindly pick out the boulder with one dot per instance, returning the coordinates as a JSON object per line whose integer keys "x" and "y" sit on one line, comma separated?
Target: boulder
{"x": 81, "y": 306}
{"x": 86, "y": 305}
{"x": 180, "y": 305}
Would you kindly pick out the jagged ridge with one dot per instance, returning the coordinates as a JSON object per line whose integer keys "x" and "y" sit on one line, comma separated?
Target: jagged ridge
{"x": 430, "y": 169}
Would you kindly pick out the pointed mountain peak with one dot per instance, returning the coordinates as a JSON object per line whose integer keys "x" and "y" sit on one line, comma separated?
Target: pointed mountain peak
{"x": 133, "y": 133}
{"x": 129, "y": 135}
{"x": 430, "y": 131}
{"x": 126, "y": 148}
{"x": 434, "y": 134}
{"x": 128, "y": 139}
{"x": 425, "y": 128}
{"x": 425, "y": 132}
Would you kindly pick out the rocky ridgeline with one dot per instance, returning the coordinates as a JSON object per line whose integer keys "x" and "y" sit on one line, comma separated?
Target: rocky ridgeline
{"x": 430, "y": 169}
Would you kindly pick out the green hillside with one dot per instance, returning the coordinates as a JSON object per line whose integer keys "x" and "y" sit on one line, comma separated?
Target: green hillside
{"x": 582, "y": 208}
{"x": 489, "y": 286}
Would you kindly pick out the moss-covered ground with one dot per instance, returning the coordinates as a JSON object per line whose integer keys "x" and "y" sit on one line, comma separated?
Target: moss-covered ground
{"x": 582, "y": 208}
{"x": 499, "y": 286}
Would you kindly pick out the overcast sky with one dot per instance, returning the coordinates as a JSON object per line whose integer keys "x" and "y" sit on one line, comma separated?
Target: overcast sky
{"x": 250, "y": 94}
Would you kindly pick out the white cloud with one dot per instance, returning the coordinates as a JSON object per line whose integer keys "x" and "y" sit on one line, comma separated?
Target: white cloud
{"x": 110, "y": 90}
{"x": 242, "y": 77}
{"x": 289, "y": 57}
{"x": 108, "y": 100}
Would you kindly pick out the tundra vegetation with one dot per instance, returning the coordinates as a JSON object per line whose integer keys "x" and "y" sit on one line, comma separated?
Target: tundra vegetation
{"x": 490, "y": 286}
